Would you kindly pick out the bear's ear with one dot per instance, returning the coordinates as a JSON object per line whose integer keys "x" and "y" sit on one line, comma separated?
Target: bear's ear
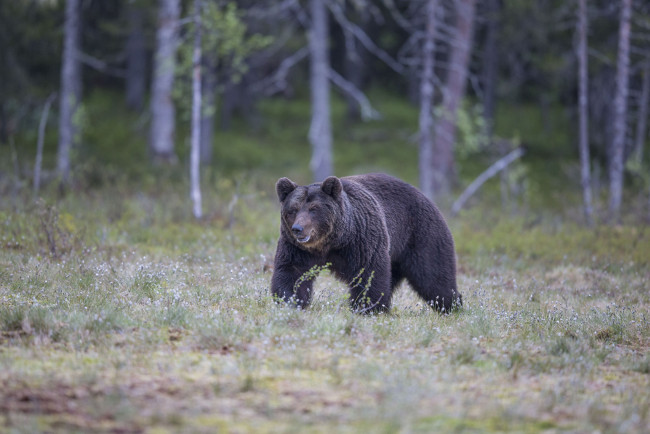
{"x": 283, "y": 187}
{"x": 332, "y": 186}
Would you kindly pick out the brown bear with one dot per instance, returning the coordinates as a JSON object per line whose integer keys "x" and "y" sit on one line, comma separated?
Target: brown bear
{"x": 372, "y": 231}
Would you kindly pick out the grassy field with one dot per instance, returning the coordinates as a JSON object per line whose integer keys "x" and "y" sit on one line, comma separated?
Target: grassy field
{"x": 120, "y": 313}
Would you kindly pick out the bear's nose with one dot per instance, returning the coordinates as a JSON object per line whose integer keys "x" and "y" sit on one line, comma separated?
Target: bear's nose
{"x": 296, "y": 229}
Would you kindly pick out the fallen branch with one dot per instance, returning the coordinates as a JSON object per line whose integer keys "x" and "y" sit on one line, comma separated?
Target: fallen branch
{"x": 39, "y": 143}
{"x": 278, "y": 81}
{"x": 100, "y": 65}
{"x": 495, "y": 168}
{"x": 368, "y": 112}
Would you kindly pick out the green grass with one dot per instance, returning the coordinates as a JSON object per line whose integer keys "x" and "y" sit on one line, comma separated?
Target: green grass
{"x": 148, "y": 320}
{"x": 120, "y": 312}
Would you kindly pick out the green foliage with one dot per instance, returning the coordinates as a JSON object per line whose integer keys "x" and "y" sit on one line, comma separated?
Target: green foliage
{"x": 471, "y": 131}
{"x": 226, "y": 43}
{"x": 310, "y": 274}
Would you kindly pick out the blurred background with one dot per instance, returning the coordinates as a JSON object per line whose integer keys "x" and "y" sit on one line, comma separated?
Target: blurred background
{"x": 189, "y": 107}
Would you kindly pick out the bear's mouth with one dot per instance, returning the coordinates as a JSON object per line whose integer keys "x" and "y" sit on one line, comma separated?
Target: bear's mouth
{"x": 304, "y": 239}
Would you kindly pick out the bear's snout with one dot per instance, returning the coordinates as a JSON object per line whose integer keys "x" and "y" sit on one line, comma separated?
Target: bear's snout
{"x": 302, "y": 234}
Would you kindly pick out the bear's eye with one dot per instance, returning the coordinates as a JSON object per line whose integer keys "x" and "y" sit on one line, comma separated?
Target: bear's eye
{"x": 313, "y": 208}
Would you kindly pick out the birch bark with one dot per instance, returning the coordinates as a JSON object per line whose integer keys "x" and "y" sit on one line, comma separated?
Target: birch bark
{"x": 162, "y": 106}
{"x": 583, "y": 109}
{"x": 70, "y": 90}
{"x": 320, "y": 130}
{"x": 425, "y": 157}
{"x": 620, "y": 113}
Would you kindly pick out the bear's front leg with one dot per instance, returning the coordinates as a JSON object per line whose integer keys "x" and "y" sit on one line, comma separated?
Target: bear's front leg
{"x": 370, "y": 289}
{"x": 290, "y": 282}
{"x": 289, "y": 285}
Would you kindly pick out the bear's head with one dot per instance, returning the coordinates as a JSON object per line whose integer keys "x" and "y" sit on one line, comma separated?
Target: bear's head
{"x": 310, "y": 213}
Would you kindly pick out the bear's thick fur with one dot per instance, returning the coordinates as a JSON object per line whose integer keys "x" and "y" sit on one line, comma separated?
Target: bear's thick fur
{"x": 373, "y": 230}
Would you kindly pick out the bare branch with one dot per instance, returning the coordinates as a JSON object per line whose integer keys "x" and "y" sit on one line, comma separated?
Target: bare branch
{"x": 365, "y": 40}
{"x": 495, "y": 168}
{"x": 398, "y": 17}
{"x": 100, "y": 65}
{"x": 368, "y": 112}
{"x": 264, "y": 12}
{"x": 39, "y": 143}
{"x": 278, "y": 81}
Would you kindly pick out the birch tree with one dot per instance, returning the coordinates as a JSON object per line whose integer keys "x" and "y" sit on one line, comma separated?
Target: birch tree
{"x": 620, "y": 113}
{"x": 135, "y": 57}
{"x": 490, "y": 65}
{"x": 642, "y": 121}
{"x": 195, "y": 152}
{"x": 425, "y": 158}
{"x": 162, "y": 106}
{"x": 70, "y": 90}
{"x": 583, "y": 109}
{"x": 208, "y": 103}
{"x": 320, "y": 130}
{"x": 445, "y": 134}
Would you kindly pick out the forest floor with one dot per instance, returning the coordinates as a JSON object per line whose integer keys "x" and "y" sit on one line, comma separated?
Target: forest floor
{"x": 117, "y": 317}
{"x": 120, "y": 313}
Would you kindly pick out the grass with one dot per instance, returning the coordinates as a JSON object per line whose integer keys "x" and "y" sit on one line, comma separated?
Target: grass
{"x": 154, "y": 322}
{"x": 120, "y": 313}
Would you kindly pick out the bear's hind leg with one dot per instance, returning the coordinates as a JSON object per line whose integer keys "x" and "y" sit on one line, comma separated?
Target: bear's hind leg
{"x": 396, "y": 276}
{"x": 434, "y": 280}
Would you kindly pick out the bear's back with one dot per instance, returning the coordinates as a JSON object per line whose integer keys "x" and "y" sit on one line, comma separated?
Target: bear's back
{"x": 407, "y": 211}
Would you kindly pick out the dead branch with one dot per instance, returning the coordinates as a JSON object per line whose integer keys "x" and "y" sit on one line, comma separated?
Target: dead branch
{"x": 495, "y": 168}
{"x": 277, "y": 82}
{"x": 362, "y": 37}
{"x": 100, "y": 65}
{"x": 39, "y": 143}
{"x": 368, "y": 112}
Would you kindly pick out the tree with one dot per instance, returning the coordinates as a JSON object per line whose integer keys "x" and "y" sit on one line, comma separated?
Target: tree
{"x": 583, "y": 109}
{"x": 209, "y": 101}
{"x": 195, "y": 179}
{"x": 70, "y": 90}
{"x": 425, "y": 159}
{"x": 162, "y": 105}
{"x": 490, "y": 63}
{"x": 135, "y": 57}
{"x": 642, "y": 121}
{"x": 445, "y": 134}
{"x": 320, "y": 130}
{"x": 227, "y": 44}
{"x": 356, "y": 59}
{"x": 617, "y": 147}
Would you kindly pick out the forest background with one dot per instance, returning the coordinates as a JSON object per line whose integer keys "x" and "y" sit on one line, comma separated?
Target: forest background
{"x": 140, "y": 142}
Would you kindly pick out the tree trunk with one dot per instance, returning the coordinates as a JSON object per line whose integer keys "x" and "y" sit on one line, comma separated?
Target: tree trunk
{"x": 356, "y": 59}
{"x": 583, "y": 109}
{"x": 642, "y": 125}
{"x": 135, "y": 58}
{"x": 162, "y": 105}
{"x": 445, "y": 135}
{"x": 320, "y": 130}
{"x": 620, "y": 113}
{"x": 70, "y": 90}
{"x": 490, "y": 66}
{"x": 195, "y": 153}
{"x": 209, "y": 89}
{"x": 426, "y": 102}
